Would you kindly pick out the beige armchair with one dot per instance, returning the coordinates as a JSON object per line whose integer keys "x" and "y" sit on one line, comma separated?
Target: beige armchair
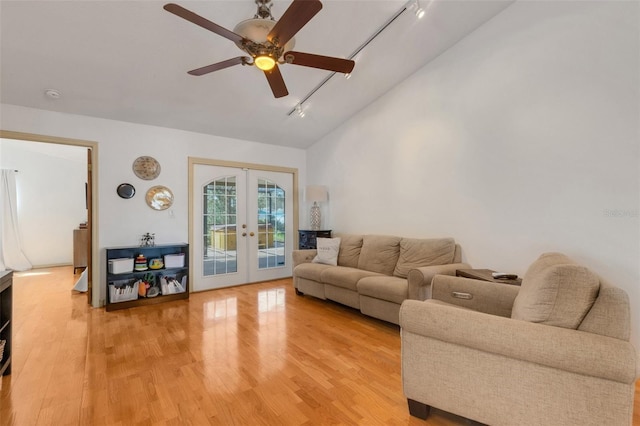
{"x": 555, "y": 351}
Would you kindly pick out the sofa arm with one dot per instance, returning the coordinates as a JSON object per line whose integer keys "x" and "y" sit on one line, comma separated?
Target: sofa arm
{"x": 419, "y": 279}
{"x": 303, "y": 256}
{"x": 482, "y": 296}
{"x": 555, "y": 347}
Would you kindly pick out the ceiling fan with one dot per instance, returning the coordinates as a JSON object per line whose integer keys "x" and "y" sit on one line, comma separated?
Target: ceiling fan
{"x": 268, "y": 42}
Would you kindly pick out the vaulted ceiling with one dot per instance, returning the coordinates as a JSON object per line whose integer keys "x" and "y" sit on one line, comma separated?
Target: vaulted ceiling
{"x": 128, "y": 61}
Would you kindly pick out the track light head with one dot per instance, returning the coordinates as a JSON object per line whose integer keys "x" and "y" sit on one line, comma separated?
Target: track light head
{"x": 419, "y": 11}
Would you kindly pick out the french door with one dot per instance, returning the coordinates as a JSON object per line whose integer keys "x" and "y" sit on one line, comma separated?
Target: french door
{"x": 243, "y": 225}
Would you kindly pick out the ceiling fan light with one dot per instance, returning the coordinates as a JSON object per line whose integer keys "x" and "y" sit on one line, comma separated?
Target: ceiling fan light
{"x": 265, "y": 63}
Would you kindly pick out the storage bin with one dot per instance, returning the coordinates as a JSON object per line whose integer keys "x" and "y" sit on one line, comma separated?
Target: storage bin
{"x": 174, "y": 260}
{"x": 170, "y": 285}
{"x": 123, "y": 291}
{"x": 120, "y": 266}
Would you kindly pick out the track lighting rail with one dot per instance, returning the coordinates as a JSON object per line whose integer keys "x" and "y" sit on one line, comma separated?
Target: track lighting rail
{"x": 395, "y": 16}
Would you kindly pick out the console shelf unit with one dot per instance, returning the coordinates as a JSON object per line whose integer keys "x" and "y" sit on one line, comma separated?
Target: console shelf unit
{"x": 158, "y": 251}
{"x": 6, "y": 317}
{"x": 308, "y": 239}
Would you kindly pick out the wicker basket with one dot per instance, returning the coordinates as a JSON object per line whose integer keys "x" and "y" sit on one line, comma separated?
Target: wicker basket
{"x": 2, "y": 343}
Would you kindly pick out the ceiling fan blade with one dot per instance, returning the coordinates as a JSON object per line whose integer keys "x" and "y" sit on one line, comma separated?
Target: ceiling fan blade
{"x": 318, "y": 61}
{"x": 274, "y": 77}
{"x": 204, "y": 23}
{"x": 294, "y": 18}
{"x": 220, "y": 65}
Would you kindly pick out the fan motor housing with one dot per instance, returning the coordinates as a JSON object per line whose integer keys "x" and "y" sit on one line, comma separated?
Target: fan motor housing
{"x": 257, "y": 31}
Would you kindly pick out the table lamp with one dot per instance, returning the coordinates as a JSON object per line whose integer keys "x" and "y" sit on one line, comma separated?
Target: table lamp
{"x": 315, "y": 194}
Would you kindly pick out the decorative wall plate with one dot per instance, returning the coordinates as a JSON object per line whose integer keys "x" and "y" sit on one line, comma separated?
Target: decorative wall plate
{"x": 126, "y": 190}
{"x": 159, "y": 197}
{"x": 146, "y": 167}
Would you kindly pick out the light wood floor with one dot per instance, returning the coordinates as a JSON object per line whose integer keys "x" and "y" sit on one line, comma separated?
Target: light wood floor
{"x": 251, "y": 355}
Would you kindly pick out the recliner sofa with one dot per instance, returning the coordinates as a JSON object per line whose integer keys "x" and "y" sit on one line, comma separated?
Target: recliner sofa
{"x": 376, "y": 273}
{"x": 555, "y": 351}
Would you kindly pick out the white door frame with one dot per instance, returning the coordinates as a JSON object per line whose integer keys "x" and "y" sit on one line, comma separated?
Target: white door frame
{"x": 193, "y": 161}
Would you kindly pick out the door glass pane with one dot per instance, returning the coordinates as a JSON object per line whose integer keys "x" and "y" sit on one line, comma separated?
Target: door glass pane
{"x": 219, "y": 225}
{"x": 271, "y": 225}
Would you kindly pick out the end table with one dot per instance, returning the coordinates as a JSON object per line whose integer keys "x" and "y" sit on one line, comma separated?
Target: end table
{"x": 485, "y": 275}
{"x": 307, "y": 238}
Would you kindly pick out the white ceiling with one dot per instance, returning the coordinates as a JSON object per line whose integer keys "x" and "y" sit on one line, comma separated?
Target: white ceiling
{"x": 128, "y": 61}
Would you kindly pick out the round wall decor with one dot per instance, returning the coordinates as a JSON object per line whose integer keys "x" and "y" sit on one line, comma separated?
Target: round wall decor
{"x": 126, "y": 190}
{"x": 146, "y": 167}
{"x": 159, "y": 197}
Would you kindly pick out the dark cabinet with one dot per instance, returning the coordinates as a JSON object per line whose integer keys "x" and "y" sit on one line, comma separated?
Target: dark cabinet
{"x": 307, "y": 238}
{"x": 80, "y": 248}
{"x": 129, "y": 281}
{"x": 6, "y": 316}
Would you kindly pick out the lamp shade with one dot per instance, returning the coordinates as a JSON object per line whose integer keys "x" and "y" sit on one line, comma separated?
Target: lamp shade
{"x": 315, "y": 193}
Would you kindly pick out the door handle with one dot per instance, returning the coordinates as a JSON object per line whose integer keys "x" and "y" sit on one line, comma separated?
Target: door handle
{"x": 244, "y": 234}
{"x": 251, "y": 234}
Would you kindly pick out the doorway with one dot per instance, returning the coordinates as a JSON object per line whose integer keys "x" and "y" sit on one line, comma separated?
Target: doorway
{"x": 243, "y": 221}
{"x": 93, "y": 293}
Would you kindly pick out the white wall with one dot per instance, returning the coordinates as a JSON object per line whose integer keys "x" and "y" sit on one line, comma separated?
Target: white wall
{"x": 521, "y": 139}
{"x": 122, "y": 222}
{"x": 51, "y": 197}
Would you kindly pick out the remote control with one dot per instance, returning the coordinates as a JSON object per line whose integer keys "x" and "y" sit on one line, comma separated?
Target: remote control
{"x": 504, "y": 276}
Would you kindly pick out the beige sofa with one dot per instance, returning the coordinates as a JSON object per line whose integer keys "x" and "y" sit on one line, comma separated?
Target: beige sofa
{"x": 555, "y": 351}
{"x": 376, "y": 273}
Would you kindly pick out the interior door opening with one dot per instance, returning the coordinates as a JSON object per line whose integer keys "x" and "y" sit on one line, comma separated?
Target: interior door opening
{"x": 93, "y": 292}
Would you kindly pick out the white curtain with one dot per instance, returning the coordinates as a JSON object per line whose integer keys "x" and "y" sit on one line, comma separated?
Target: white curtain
{"x": 11, "y": 255}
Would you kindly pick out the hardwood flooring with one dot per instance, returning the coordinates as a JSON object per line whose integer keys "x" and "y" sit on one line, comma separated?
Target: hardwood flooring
{"x": 250, "y": 355}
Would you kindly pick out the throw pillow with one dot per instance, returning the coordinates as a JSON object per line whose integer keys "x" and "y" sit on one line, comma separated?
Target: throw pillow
{"x": 558, "y": 294}
{"x": 328, "y": 249}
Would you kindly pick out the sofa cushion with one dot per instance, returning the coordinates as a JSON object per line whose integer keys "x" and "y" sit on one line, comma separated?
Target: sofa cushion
{"x": 392, "y": 289}
{"x": 379, "y": 253}
{"x": 310, "y": 271}
{"x": 345, "y": 277}
{"x": 327, "y": 251}
{"x": 610, "y": 314}
{"x": 416, "y": 253}
{"x": 555, "y": 291}
{"x": 350, "y": 246}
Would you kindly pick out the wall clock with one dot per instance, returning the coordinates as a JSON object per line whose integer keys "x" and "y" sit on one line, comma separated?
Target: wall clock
{"x": 146, "y": 167}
